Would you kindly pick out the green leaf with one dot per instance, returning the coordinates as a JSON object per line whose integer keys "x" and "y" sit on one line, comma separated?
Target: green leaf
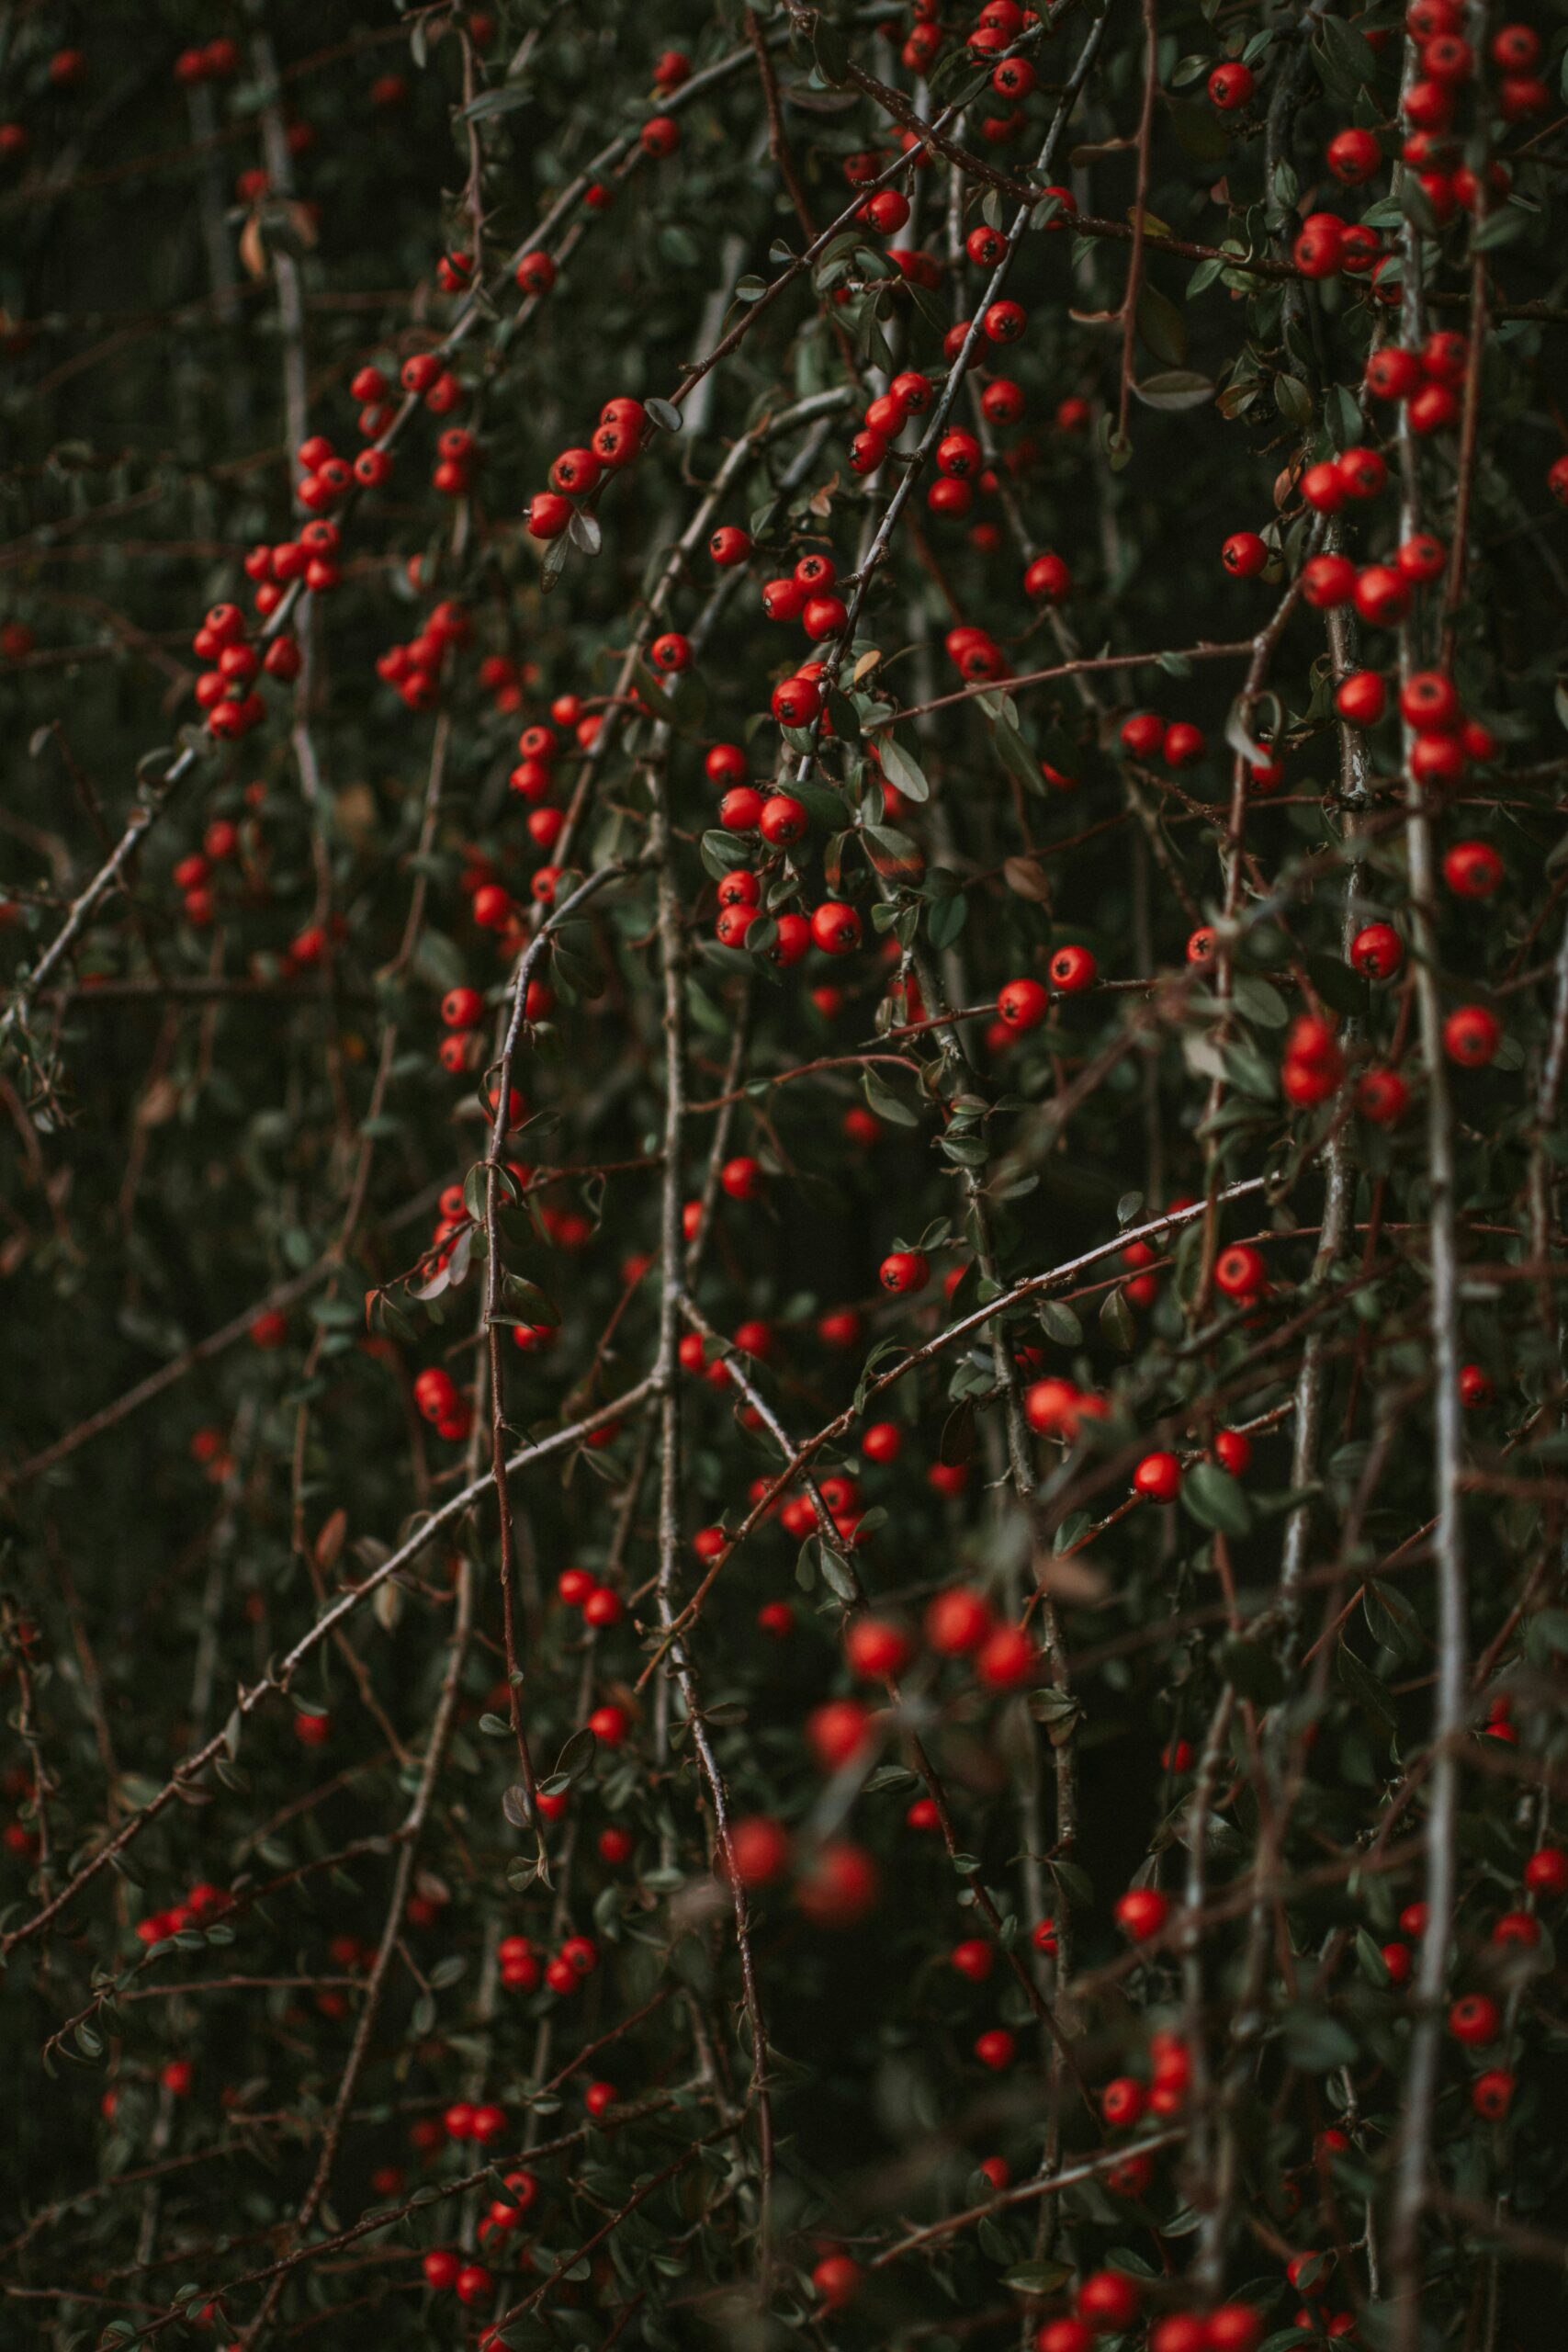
{"x": 1317, "y": 2042}
{"x": 897, "y": 858}
{"x": 1162, "y": 327}
{"x": 1361, "y": 1685}
{"x": 830, "y": 47}
{"x": 1213, "y": 1497}
{"x": 1179, "y": 387}
{"x": 886, "y": 1105}
{"x": 1016, "y": 755}
{"x": 1259, "y": 1001}
{"x": 1037, "y": 2278}
{"x": 492, "y": 103}
{"x": 722, "y": 853}
{"x": 903, "y": 771}
{"x": 1350, "y": 52}
{"x": 1370, "y": 1960}
{"x": 1116, "y": 1322}
{"x": 1502, "y": 228}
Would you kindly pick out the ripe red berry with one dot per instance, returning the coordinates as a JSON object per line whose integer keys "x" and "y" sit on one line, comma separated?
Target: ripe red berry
{"x": 1141, "y": 1913}
{"x": 1491, "y": 2094}
{"x": 837, "y": 2280}
{"x": 1022, "y": 1004}
{"x": 996, "y": 2049}
{"x": 904, "y": 1272}
{"x": 1319, "y": 249}
{"x": 1381, "y": 1096}
{"x": 1047, "y": 580}
{"x": 1157, "y": 1478}
{"x": 877, "y": 1648}
{"x": 1377, "y": 952}
{"x": 1065, "y": 2335}
{"x": 760, "y": 1849}
{"x": 957, "y": 1620}
{"x": 1354, "y": 156}
{"x": 835, "y": 928}
{"x": 1143, "y": 735}
{"x": 1007, "y": 1659}
{"x": 1122, "y": 2101}
{"x": 1475, "y": 2020}
{"x": 1472, "y": 869}
{"x": 1472, "y": 1036}
{"x": 1244, "y": 555}
{"x": 1072, "y": 968}
{"x": 1232, "y": 1449}
{"x": 1231, "y": 85}
{"x": 548, "y": 514}
{"x": 1234, "y": 2328}
{"x": 1362, "y": 698}
{"x": 1546, "y": 1873}
{"x": 1109, "y": 2299}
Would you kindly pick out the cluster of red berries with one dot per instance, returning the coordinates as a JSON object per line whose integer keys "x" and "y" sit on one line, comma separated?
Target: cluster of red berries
{"x": 1022, "y": 1004}
{"x": 600, "y": 1604}
{"x": 414, "y": 670}
{"x": 201, "y": 1903}
{"x": 576, "y": 472}
{"x": 227, "y": 691}
{"x": 193, "y": 874}
{"x": 218, "y": 61}
{"x": 521, "y": 1971}
{"x": 1475, "y": 2020}
{"x": 1424, "y": 382}
{"x": 999, "y": 25}
{"x": 1109, "y": 2303}
{"x": 1147, "y": 736}
{"x": 959, "y": 1624}
{"x": 470, "y": 2282}
{"x": 440, "y": 1403}
{"x": 311, "y": 560}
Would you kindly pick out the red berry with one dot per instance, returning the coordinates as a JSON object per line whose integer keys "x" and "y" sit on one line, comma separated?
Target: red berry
{"x": 1546, "y": 1873}
{"x": 1142, "y": 1912}
{"x": 1244, "y": 555}
{"x": 1472, "y": 1036}
{"x": 1109, "y": 2299}
{"x": 1231, "y": 85}
{"x": 1157, "y": 1478}
{"x": 1475, "y": 2020}
{"x": 1022, "y": 1004}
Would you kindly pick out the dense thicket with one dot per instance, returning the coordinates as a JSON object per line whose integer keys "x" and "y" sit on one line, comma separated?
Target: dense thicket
{"x": 785, "y": 990}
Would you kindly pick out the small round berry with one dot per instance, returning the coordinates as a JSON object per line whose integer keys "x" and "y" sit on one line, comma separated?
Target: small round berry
{"x": 1141, "y": 1913}
{"x": 1472, "y": 1036}
{"x": 904, "y": 1272}
{"x": 1475, "y": 2020}
{"x": 1072, "y": 969}
{"x": 1472, "y": 869}
{"x": 1022, "y": 1004}
{"x": 1377, "y": 952}
{"x": 1231, "y": 85}
{"x": 1244, "y": 555}
{"x": 1157, "y": 1478}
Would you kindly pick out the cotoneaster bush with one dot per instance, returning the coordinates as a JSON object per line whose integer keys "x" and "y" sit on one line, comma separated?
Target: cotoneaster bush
{"x": 785, "y": 1006}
